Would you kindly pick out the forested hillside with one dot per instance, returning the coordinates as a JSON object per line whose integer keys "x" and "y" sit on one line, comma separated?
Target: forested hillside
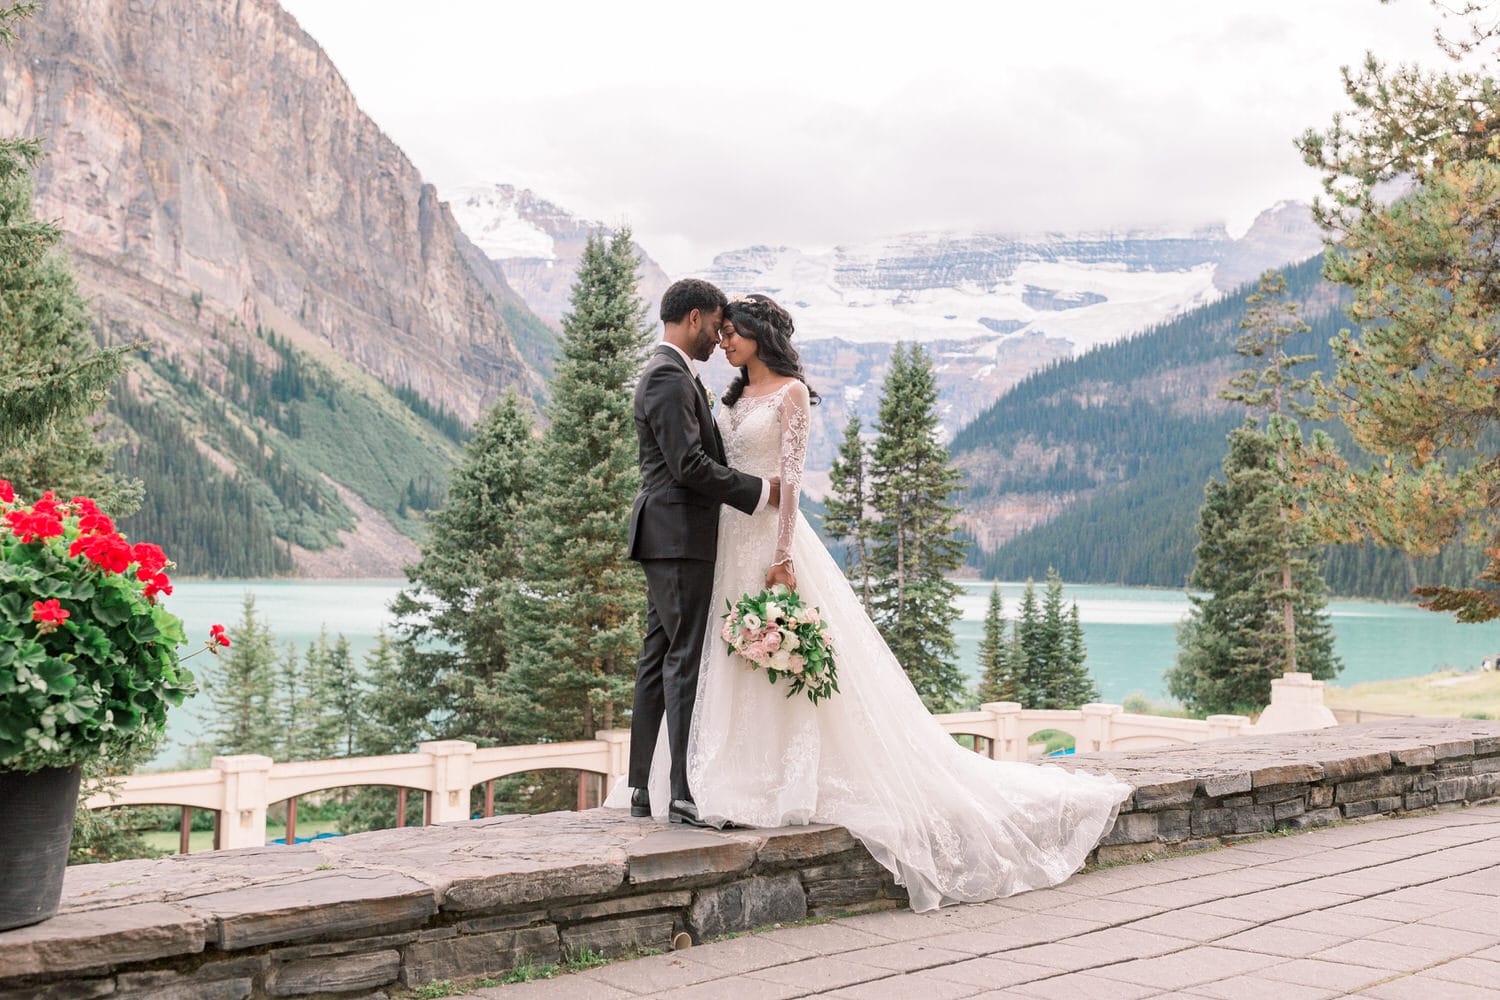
{"x": 1123, "y": 439}
{"x": 259, "y": 460}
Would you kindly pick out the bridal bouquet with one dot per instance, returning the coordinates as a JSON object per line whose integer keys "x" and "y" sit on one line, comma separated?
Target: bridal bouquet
{"x": 774, "y": 631}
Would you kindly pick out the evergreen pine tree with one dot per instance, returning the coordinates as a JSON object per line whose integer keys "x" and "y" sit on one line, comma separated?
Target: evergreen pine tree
{"x": 846, "y": 509}
{"x": 53, "y": 378}
{"x": 997, "y": 681}
{"x": 453, "y": 626}
{"x": 342, "y": 694}
{"x": 393, "y": 720}
{"x": 293, "y": 706}
{"x": 1028, "y": 651}
{"x": 1265, "y": 608}
{"x": 1234, "y": 642}
{"x": 241, "y": 686}
{"x": 1076, "y": 685}
{"x": 581, "y": 613}
{"x": 913, "y": 543}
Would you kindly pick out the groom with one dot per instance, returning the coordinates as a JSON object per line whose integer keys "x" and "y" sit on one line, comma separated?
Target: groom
{"x": 674, "y": 532}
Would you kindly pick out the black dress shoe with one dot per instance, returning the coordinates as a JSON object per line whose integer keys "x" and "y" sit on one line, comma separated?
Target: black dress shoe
{"x": 685, "y": 811}
{"x": 640, "y": 802}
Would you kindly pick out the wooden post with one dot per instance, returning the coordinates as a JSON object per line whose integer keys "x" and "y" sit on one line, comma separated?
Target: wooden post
{"x": 400, "y": 807}
{"x": 291, "y": 821}
{"x": 218, "y": 822}
{"x": 426, "y": 808}
{"x": 583, "y": 790}
{"x": 185, "y": 830}
{"x": 489, "y": 798}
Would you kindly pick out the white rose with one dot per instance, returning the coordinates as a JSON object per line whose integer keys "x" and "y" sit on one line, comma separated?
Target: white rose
{"x": 789, "y": 641}
{"x": 774, "y": 612}
{"x": 781, "y": 661}
{"x": 751, "y": 621}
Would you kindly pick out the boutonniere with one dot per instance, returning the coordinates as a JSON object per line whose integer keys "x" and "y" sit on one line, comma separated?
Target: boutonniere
{"x": 712, "y": 399}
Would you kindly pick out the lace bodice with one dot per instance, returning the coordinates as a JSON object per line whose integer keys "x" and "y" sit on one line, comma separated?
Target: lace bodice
{"x": 766, "y": 436}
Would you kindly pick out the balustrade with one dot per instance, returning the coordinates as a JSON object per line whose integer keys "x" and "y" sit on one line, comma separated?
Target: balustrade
{"x": 240, "y": 787}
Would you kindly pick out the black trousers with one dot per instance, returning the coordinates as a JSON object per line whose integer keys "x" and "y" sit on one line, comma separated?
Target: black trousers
{"x": 666, "y": 678}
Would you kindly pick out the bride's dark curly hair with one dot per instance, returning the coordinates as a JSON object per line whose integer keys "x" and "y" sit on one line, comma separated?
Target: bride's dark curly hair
{"x": 770, "y": 326}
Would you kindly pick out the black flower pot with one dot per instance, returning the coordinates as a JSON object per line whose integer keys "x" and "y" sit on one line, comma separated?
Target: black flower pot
{"x": 36, "y": 826}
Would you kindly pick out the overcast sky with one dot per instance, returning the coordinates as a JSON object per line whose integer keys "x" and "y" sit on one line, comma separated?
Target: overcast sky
{"x": 712, "y": 126}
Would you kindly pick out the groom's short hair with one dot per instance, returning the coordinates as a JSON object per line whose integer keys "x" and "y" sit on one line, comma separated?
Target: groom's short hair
{"x": 688, "y": 294}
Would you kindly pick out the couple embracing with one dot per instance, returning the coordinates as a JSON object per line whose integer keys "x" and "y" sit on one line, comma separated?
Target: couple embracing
{"x": 716, "y": 518}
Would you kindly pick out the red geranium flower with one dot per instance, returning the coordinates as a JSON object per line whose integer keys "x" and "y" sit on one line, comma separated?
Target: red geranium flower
{"x": 158, "y": 584}
{"x": 7, "y": 494}
{"x": 109, "y": 552}
{"x": 49, "y": 614}
{"x": 216, "y": 634}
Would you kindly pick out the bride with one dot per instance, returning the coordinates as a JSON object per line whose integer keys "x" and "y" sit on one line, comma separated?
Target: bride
{"x": 951, "y": 825}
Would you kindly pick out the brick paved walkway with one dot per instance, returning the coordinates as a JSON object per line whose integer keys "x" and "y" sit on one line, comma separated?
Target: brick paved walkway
{"x": 1392, "y": 909}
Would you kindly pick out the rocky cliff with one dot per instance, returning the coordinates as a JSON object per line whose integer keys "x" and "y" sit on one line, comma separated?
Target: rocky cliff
{"x": 206, "y": 156}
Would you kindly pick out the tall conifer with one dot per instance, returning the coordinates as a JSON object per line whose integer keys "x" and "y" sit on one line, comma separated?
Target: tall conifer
{"x": 241, "y": 686}
{"x": 997, "y": 681}
{"x": 453, "y": 631}
{"x": 847, "y": 509}
{"x": 913, "y": 539}
{"x": 582, "y": 611}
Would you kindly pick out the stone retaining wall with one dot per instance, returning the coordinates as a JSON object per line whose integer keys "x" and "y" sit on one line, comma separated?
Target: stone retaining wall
{"x": 349, "y": 917}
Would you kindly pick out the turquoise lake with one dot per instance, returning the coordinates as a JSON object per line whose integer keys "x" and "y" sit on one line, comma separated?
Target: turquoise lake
{"x": 1129, "y": 631}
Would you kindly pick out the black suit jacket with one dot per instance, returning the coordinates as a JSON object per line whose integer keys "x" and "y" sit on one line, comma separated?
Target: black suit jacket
{"x": 684, "y": 474}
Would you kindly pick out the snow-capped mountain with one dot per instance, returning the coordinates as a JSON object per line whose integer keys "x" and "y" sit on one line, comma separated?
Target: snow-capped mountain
{"x": 990, "y": 308}
{"x": 1084, "y": 288}
{"x": 537, "y": 245}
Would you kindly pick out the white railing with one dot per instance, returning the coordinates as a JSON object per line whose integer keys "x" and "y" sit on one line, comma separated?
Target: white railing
{"x": 240, "y": 788}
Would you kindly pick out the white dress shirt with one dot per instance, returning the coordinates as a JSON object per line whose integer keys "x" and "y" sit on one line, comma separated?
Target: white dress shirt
{"x": 765, "y": 484}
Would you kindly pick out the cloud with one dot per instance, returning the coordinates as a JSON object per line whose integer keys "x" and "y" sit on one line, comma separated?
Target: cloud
{"x": 711, "y": 128}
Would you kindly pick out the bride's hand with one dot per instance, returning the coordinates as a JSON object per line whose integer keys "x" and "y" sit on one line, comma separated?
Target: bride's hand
{"x": 781, "y": 573}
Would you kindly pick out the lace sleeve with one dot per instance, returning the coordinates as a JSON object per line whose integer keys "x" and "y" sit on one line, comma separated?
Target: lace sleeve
{"x": 796, "y": 418}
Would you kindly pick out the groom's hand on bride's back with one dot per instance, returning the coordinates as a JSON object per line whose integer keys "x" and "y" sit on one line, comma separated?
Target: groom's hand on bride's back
{"x": 774, "y": 499}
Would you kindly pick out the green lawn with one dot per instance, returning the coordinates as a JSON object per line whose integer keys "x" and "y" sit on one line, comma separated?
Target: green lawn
{"x": 1450, "y": 693}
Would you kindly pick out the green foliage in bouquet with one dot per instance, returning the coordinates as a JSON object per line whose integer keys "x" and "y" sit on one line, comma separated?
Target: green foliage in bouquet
{"x": 88, "y": 657}
{"x": 776, "y": 632}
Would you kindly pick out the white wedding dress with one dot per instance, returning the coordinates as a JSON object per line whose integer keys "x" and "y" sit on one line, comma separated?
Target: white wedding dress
{"x": 950, "y": 824}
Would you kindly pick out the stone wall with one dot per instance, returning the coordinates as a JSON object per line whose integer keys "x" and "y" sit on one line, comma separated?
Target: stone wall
{"x": 1187, "y": 798}
{"x": 351, "y": 916}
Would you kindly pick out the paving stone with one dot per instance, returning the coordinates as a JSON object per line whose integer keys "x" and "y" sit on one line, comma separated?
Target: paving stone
{"x": 479, "y": 954}
{"x": 335, "y": 974}
{"x": 75, "y": 941}
{"x": 1199, "y": 926}
{"x": 321, "y": 905}
{"x": 1251, "y": 987}
{"x": 1386, "y": 955}
{"x": 1424, "y": 987}
{"x": 904, "y": 956}
{"x": 560, "y": 988}
{"x": 746, "y": 954}
{"x": 904, "y": 987}
{"x": 1084, "y": 986}
{"x": 1473, "y": 971}
{"x": 1278, "y": 939}
{"x": 654, "y": 974}
{"x": 821, "y": 974}
{"x": 1339, "y": 976}
{"x": 991, "y": 973}
{"x": 733, "y": 988}
{"x": 1181, "y": 969}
